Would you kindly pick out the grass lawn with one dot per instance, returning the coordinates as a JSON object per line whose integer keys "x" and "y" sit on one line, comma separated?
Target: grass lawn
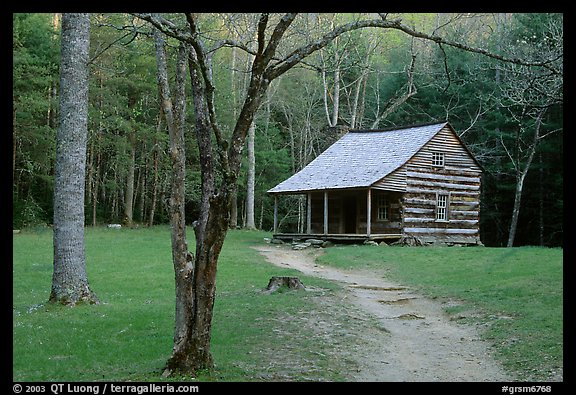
{"x": 293, "y": 336}
{"x": 256, "y": 336}
{"x": 515, "y": 293}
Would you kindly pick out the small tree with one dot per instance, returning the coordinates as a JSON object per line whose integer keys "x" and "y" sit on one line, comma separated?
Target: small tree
{"x": 529, "y": 94}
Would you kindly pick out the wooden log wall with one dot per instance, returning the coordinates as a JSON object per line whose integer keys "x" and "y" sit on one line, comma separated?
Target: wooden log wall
{"x": 459, "y": 178}
{"x": 395, "y": 181}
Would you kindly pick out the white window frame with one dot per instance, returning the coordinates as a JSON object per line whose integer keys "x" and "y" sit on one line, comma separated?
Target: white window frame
{"x": 442, "y": 206}
{"x": 383, "y": 208}
{"x": 438, "y": 159}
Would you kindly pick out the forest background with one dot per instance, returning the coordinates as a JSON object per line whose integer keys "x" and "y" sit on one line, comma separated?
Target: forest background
{"x": 510, "y": 116}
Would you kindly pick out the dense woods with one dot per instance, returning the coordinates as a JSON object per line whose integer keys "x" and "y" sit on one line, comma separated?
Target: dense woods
{"x": 510, "y": 115}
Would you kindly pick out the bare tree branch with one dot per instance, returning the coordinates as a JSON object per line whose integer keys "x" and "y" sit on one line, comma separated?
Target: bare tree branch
{"x": 203, "y": 59}
{"x": 401, "y": 100}
{"x": 300, "y": 53}
{"x": 262, "y": 23}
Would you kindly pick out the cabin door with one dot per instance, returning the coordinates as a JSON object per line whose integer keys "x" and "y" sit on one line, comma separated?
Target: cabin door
{"x": 349, "y": 208}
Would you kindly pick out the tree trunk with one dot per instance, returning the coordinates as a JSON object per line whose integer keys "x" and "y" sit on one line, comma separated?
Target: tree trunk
{"x": 14, "y": 148}
{"x": 196, "y": 285}
{"x": 193, "y": 331}
{"x": 250, "y": 223}
{"x": 129, "y": 197}
{"x": 332, "y": 118}
{"x": 234, "y": 209}
{"x": 95, "y": 187}
{"x": 234, "y": 201}
{"x": 154, "y": 185}
{"x": 540, "y": 201}
{"x": 93, "y": 180}
{"x": 336, "y": 101}
{"x": 516, "y": 209}
{"x": 194, "y": 275}
{"x": 521, "y": 176}
{"x": 141, "y": 191}
{"x": 357, "y": 88}
{"x": 174, "y": 113}
{"x": 70, "y": 281}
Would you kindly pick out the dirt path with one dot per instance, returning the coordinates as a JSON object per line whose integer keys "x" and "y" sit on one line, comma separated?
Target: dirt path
{"x": 419, "y": 342}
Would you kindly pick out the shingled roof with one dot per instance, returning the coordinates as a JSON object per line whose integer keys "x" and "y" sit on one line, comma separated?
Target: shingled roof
{"x": 359, "y": 159}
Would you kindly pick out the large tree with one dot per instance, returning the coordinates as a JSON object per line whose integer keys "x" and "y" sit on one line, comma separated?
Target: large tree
{"x": 274, "y": 52}
{"x": 70, "y": 281}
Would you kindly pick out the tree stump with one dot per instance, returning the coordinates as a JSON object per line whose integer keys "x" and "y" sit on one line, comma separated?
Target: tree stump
{"x": 288, "y": 282}
{"x": 410, "y": 241}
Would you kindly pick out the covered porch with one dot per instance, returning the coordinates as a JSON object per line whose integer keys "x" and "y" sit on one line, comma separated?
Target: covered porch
{"x": 349, "y": 215}
{"x": 338, "y": 238}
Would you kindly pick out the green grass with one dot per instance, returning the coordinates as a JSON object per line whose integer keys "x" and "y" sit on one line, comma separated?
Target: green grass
{"x": 256, "y": 336}
{"x": 515, "y": 293}
{"x": 124, "y": 335}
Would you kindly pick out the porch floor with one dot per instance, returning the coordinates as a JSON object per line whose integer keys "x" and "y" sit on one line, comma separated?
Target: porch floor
{"x": 337, "y": 237}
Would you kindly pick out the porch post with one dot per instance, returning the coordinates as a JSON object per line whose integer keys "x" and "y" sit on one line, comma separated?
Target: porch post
{"x": 368, "y": 212}
{"x": 325, "y": 212}
{"x": 308, "y": 213}
{"x": 275, "y": 213}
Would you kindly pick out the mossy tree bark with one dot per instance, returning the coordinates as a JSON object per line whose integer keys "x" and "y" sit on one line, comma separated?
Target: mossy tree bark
{"x": 69, "y": 280}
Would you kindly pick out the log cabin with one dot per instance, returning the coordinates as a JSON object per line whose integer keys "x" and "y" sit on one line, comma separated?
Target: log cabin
{"x": 417, "y": 182}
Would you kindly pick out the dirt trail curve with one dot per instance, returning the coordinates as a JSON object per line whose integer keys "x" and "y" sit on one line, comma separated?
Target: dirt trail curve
{"x": 422, "y": 344}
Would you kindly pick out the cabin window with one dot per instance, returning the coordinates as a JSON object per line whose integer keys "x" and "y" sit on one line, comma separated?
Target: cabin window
{"x": 438, "y": 159}
{"x": 383, "y": 208}
{"x": 442, "y": 207}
